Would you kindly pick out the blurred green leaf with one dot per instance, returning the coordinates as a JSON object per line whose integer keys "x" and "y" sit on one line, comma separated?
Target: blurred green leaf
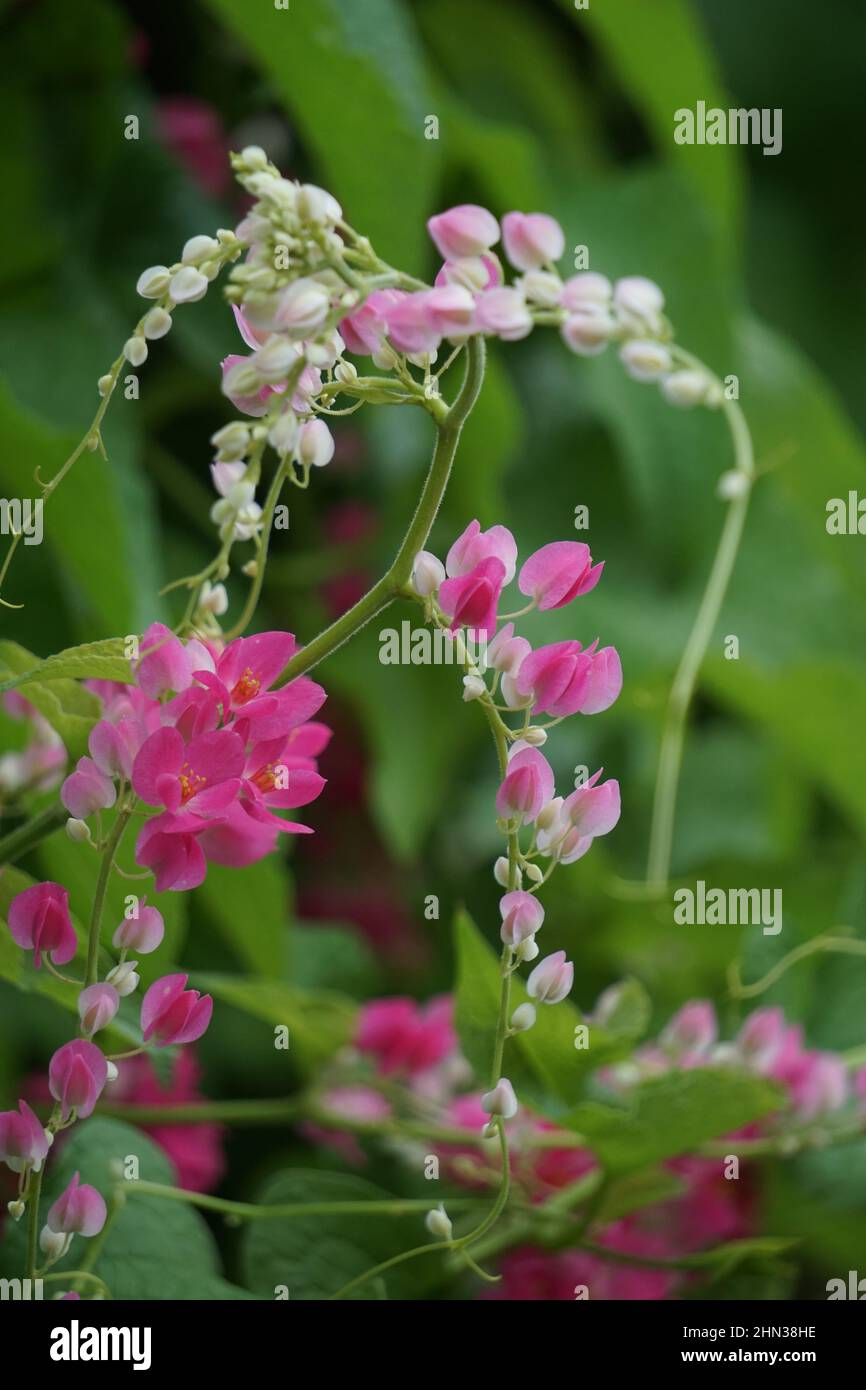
{"x": 69, "y": 708}
{"x": 319, "y": 1023}
{"x": 92, "y": 661}
{"x": 252, "y": 910}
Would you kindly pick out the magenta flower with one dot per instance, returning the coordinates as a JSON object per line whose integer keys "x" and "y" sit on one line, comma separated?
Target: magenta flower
{"x": 113, "y": 746}
{"x": 691, "y": 1032}
{"x": 97, "y": 1005}
{"x": 605, "y": 680}
{"x": 202, "y": 777}
{"x": 504, "y": 313}
{"x": 551, "y": 980}
{"x": 23, "y": 1142}
{"x": 164, "y": 663}
{"x": 522, "y": 916}
{"x": 475, "y": 545}
{"x": 77, "y": 1074}
{"x": 141, "y": 933}
{"x": 527, "y": 785}
{"x": 471, "y": 600}
{"x": 465, "y": 230}
{"x": 172, "y": 1014}
{"x": 531, "y": 239}
{"x": 87, "y": 790}
{"x": 168, "y": 845}
{"x": 556, "y": 678}
{"x": 79, "y": 1210}
{"x": 558, "y": 573}
{"x": 594, "y": 810}
{"x": 39, "y": 921}
{"x": 402, "y": 1036}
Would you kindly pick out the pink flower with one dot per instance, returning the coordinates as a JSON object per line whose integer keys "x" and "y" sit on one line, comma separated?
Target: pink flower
{"x": 79, "y": 1210}
{"x": 475, "y": 545}
{"x": 594, "y": 810}
{"x": 522, "y": 916}
{"x": 474, "y": 273}
{"x": 23, "y": 1142}
{"x": 761, "y": 1037}
{"x": 405, "y": 1037}
{"x": 527, "y": 785}
{"x": 202, "y": 777}
{"x": 113, "y": 746}
{"x": 564, "y": 679}
{"x": 97, "y": 1005}
{"x": 410, "y": 324}
{"x": 39, "y": 921}
{"x": 141, "y": 933}
{"x": 77, "y": 1074}
{"x": 531, "y": 239}
{"x": 87, "y": 790}
{"x": 551, "y": 980}
{"x": 465, "y": 230}
{"x": 558, "y": 573}
{"x": 691, "y": 1032}
{"x": 364, "y": 331}
{"x": 451, "y": 311}
{"x": 172, "y": 1014}
{"x": 504, "y": 313}
{"x": 818, "y": 1083}
{"x": 169, "y": 846}
{"x": 605, "y": 680}
{"x": 164, "y": 664}
{"x": 471, "y": 600}
{"x": 254, "y": 403}
{"x": 506, "y": 652}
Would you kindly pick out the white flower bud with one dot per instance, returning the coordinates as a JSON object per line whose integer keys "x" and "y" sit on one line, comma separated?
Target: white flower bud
{"x": 473, "y": 688}
{"x": 253, "y": 157}
{"x": 501, "y": 1100}
{"x": 500, "y": 871}
{"x": 438, "y": 1224}
{"x": 103, "y": 385}
{"x": 16, "y": 1209}
{"x": 585, "y": 292}
{"x": 427, "y": 574}
{"x": 124, "y": 978}
{"x": 111, "y": 1073}
{"x": 731, "y": 485}
{"x": 135, "y": 350}
{"x": 156, "y": 323}
{"x": 639, "y": 303}
{"x": 302, "y": 308}
{"x": 53, "y": 1243}
{"x": 686, "y": 388}
{"x": 275, "y": 358}
{"x": 535, "y": 736}
{"x": 198, "y": 248}
{"x": 526, "y": 950}
{"x": 187, "y": 285}
{"x": 541, "y": 287}
{"x": 523, "y": 1018}
{"x": 534, "y": 873}
{"x": 241, "y": 380}
{"x": 645, "y": 360}
{"x": 232, "y": 441}
{"x": 316, "y": 205}
{"x": 283, "y": 434}
{"x": 213, "y": 599}
{"x": 588, "y": 331}
{"x": 153, "y": 282}
{"x": 346, "y": 372}
{"x": 78, "y": 831}
{"x": 315, "y": 446}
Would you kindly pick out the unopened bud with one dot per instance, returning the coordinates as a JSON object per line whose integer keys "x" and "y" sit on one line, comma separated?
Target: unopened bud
{"x": 124, "y": 978}
{"x": 535, "y": 736}
{"x": 438, "y": 1223}
{"x": 135, "y": 350}
{"x": 523, "y": 1018}
{"x": 731, "y": 485}
{"x": 16, "y": 1209}
{"x": 78, "y": 831}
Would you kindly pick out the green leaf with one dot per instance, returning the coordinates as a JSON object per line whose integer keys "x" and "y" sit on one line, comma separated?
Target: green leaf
{"x": 671, "y": 1115}
{"x": 379, "y": 166}
{"x": 314, "y": 1256}
{"x": 319, "y": 1023}
{"x": 252, "y": 910}
{"x": 69, "y": 708}
{"x": 155, "y": 1249}
{"x": 547, "y": 1056}
{"x": 103, "y": 660}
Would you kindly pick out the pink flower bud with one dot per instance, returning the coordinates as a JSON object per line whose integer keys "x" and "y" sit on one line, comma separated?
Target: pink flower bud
{"x": 761, "y": 1037}
{"x": 474, "y": 273}
{"x": 427, "y": 574}
{"x": 87, "y": 790}
{"x": 522, "y": 916}
{"x": 97, "y": 1006}
{"x": 692, "y": 1030}
{"x": 113, "y": 746}
{"x": 411, "y": 327}
{"x": 164, "y": 664}
{"x": 558, "y": 573}
{"x": 141, "y": 933}
{"x": 170, "y": 1013}
{"x": 586, "y": 292}
{"x": 451, "y": 311}
{"x": 23, "y": 1141}
{"x": 466, "y": 230}
{"x": 501, "y": 1100}
{"x": 475, "y": 545}
{"x": 551, "y": 980}
{"x": 527, "y": 785}
{"x": 39, "y": 921}
{"x": 594, "y": 810}
{"x": 503, "y": 313}
{"x": 79, "y": 1210}
{"x": 77, "y": 1074}
{"x": 531, "y": 239}
{"x": 471, "y": 600}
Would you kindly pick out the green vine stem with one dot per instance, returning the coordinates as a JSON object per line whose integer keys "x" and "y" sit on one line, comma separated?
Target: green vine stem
{"x": 27, "y": 836}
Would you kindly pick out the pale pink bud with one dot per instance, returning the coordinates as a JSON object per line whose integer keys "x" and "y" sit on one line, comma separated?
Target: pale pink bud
{"x": 142, "y": 933}
{"x": 522, "y": 916}
{"x": 428, "y": 573}
{"x": 594, "y": 810}
{"x": 761, "y": 1037}
{"x": 164, "y": 664}
{"x": 466, "y": 230}
{"x": 506, "y": 652}
{"x": 451, "y": 311}
{"x": 39, "y": 922}
{"x": 23, "y": 1141}
{"x": 79, "y": 1210}
{"x": 87, "y": 790}
{"x": 551, "y": 980}
{"x": 97, "y": 1006}
{"x": 527, "y": 785}
{"x": 692, "y": 1030}
{"x": 639, "y": 303}
{"x": 503, "y": 313}
{"x": 531, "y": 239}
{"x": 77, "y": 1074}
{"x": 558, "y": 573}
{"x": 475, "y": 545}
{"x": 501, "y": 1100}
{"x": 172, "y": 1014}
{"x": 411, "y": 327}
{"x": 113, "y": 746}
{"x": 523, "y": 1018}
